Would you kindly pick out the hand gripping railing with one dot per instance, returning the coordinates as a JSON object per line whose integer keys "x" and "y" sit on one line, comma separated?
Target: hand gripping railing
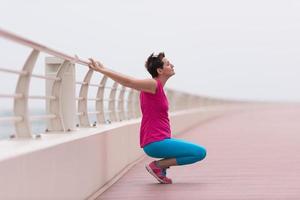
{"x": 61, "y": 105}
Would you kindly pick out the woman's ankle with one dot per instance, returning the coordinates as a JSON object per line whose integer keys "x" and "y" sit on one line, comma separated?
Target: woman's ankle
{"x": 157, "y": 163}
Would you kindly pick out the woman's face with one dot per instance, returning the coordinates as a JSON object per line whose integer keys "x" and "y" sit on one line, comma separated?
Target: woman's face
{"x": 168, "y": 68}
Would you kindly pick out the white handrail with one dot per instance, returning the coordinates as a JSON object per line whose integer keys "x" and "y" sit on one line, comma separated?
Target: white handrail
{"x": 29, "y": 43}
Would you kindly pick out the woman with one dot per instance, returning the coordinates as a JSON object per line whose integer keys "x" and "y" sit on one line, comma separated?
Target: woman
{"x": 155, "y": 132}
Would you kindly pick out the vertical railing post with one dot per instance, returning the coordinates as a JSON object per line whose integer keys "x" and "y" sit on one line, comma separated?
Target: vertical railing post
{"x": 137, "y": 112}
{"x": 100, "y": 102}
{"x": 130, "y": 104}
{"x": 112, "y": 103}
{"x": 82, "y": 102}
{"x": 170, "y": 96}
{"x": 63, "y": 88}
{"x": 120, "y": 108}
{"x": 23, "y": 128}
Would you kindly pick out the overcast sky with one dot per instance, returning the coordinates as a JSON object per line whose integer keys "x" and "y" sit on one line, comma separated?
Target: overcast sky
{"x": 221, "y": 48}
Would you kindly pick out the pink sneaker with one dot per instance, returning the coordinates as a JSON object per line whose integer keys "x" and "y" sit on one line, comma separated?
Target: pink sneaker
{"x": 158, "y": 173}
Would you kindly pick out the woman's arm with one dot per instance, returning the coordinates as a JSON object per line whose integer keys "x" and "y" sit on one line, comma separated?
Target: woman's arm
{"x": 147, "y": 85}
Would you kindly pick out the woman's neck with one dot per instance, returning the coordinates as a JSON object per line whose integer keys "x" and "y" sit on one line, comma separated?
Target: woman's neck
{"x": 162, "y": 79}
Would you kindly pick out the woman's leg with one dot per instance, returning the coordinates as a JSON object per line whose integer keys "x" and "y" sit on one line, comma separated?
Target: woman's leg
{"x": 167, "y": 162}
{"x": 175, "y": 152}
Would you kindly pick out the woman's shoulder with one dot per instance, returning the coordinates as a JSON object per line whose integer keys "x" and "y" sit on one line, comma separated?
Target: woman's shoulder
{"x": 158, "y": 87}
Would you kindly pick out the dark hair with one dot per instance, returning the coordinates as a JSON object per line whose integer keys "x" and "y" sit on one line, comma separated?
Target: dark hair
{"x": 154, "y": 62}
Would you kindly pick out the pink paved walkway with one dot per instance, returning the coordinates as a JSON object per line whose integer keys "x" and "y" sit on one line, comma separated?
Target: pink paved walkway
{"x": 253, "y": 154}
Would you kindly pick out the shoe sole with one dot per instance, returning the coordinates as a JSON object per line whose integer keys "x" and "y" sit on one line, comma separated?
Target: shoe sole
{"x": 153, "y": 174}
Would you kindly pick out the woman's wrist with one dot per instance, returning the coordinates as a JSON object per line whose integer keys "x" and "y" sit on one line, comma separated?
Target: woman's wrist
{"x": 101, "y": 70}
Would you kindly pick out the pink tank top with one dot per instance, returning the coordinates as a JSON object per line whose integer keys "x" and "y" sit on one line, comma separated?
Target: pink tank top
{"x": 155, "y": 125}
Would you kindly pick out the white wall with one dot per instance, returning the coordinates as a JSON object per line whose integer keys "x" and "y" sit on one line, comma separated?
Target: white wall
{"x": 76, "y": 165}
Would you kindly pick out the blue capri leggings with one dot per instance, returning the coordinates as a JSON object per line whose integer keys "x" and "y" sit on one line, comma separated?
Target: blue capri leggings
{"x": 185, "y": 152}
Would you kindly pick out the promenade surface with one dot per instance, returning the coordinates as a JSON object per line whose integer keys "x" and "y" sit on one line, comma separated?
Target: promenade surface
{"x": 253, "y": 154}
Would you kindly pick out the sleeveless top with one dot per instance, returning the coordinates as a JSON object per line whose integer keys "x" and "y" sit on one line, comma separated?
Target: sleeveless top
{"x": 155, "y": 125}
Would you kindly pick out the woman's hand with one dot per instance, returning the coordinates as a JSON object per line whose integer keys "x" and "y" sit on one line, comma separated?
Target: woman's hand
{"x": 96, "y": 65}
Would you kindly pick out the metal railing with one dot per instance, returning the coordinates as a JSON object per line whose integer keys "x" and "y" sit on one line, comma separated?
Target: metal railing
{"x": 122, "y": 103}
